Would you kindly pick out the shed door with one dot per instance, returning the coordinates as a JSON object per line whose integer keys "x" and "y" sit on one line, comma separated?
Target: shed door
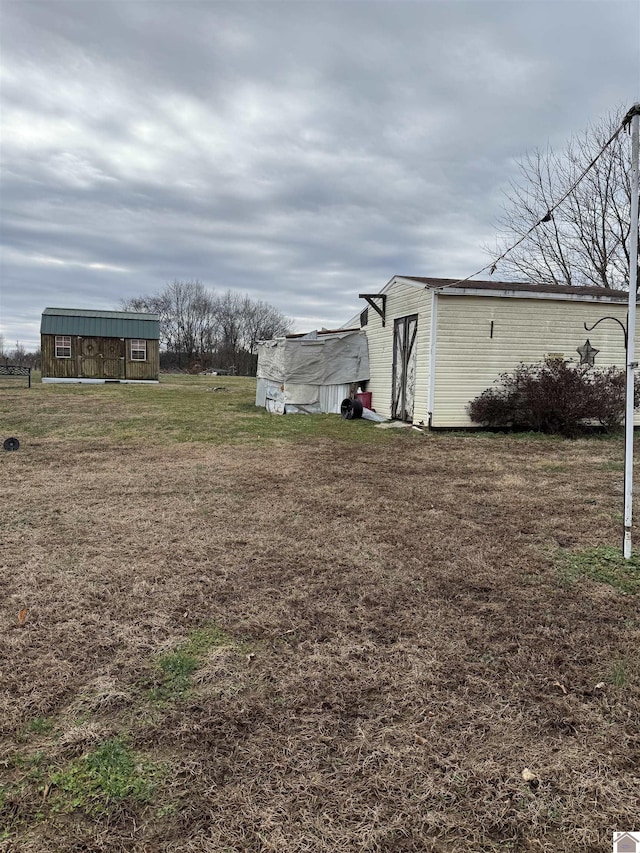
{"x": 405, "y": 348}
{"x": 113, "y": 358}
{"x": 90, "y": 358}
{"x": 101, "y": 358}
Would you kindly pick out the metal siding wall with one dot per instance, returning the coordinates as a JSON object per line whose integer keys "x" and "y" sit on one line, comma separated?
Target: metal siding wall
{"x": 96, "y": 326}
{"x": 402, "y": 300}
{"x": 468, "y": 360}
{"x": 331, "y": 396}
{"x": 261, "y": 391}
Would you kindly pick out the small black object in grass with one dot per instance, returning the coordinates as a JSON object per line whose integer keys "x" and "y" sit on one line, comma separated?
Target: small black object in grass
{"x": 11, "y": 443}
{"x": 351, "y": 409}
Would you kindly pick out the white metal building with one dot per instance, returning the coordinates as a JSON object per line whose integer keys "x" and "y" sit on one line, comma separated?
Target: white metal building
{"x": 433, "y": 348}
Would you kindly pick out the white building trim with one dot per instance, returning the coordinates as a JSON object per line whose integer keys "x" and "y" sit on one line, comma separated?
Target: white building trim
{"x": 432, "y": 356}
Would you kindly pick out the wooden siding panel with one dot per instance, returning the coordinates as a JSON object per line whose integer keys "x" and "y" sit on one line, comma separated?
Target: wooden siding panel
{"x": 75, "y": 367}
{"x": 402, "y": 300}
{"x": 112, "y": 358}
{"x": 58, "y": 368}
{"x": 141, "y": 370}
{"x": 469, "y": 360}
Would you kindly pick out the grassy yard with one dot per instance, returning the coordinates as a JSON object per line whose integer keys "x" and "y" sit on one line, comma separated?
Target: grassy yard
{"x": 226, "y": 631}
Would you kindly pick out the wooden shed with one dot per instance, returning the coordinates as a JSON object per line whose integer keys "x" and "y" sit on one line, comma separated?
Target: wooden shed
{"x": 434, "y": 344}
{"x": 99, "y": 346}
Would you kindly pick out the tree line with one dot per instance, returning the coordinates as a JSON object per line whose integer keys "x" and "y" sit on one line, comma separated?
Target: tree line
{"x": 18, "y": 355}
{"x": 201, "y": 329}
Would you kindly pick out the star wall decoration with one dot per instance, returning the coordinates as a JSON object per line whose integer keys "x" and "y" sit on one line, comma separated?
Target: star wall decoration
{"x": 587, "y": 353}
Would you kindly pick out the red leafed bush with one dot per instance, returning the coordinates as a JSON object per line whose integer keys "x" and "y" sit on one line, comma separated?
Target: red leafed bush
{"x": 554, "y": 396}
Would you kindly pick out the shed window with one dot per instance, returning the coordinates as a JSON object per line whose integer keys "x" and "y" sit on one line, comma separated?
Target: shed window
{"x": 138, "y": 350}
{"x": 63, "y": 346}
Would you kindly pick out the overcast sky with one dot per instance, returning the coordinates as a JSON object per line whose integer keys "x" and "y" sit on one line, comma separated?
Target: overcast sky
{"x": 300, "y": 152}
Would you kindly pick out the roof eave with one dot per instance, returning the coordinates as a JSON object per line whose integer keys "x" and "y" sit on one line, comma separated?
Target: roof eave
{"x": 529, "y": 294}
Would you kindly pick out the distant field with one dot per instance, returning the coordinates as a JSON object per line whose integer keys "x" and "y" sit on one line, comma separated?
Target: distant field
{"x": 225, "y": 631}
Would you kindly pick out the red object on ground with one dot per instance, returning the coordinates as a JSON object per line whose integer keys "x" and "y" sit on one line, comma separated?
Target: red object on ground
{"x": 365, "y": 398}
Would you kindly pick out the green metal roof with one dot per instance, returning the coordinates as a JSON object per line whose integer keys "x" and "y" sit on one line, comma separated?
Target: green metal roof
{"x": 95, "y": 324}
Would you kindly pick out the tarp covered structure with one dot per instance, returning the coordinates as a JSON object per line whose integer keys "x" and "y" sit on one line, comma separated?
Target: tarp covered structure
{"x": 310, "y": 373}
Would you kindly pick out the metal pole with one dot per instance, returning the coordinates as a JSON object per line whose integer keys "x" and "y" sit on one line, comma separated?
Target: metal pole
{"x": 631, "y": 330}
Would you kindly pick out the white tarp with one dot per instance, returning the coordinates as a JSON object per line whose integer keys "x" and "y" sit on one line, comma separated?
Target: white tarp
{"x": 310, "y": 374}
{"x": 335, "y": 358}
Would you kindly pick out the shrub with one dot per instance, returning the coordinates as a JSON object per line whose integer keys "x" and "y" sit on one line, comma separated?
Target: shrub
{"x": 554, "y": 396}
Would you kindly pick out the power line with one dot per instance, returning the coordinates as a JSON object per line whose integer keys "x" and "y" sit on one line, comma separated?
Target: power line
{"x": 491, "y": 266}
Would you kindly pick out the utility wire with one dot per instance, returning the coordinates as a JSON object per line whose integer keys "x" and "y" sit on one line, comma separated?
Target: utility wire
{"x": 549, "y": 214}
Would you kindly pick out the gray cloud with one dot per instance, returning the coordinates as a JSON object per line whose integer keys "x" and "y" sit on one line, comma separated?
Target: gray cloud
{"x": 300, "y": 152}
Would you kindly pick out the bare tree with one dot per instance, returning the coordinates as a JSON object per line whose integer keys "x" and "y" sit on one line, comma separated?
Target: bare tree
{"x": 18, "y": 355}
{"x": 187, "y": 317}
{"x": 229, "y": 321}
{"x": 586, "y": 240}
{"x": 261, "y": 322}
{"x": 198, "y": 325}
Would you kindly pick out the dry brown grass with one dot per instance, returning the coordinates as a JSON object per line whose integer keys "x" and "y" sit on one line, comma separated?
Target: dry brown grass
{"x": 400, "y": 645}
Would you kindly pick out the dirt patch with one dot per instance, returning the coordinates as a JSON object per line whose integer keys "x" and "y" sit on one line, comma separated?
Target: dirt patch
{"x": 401, "y": 645}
